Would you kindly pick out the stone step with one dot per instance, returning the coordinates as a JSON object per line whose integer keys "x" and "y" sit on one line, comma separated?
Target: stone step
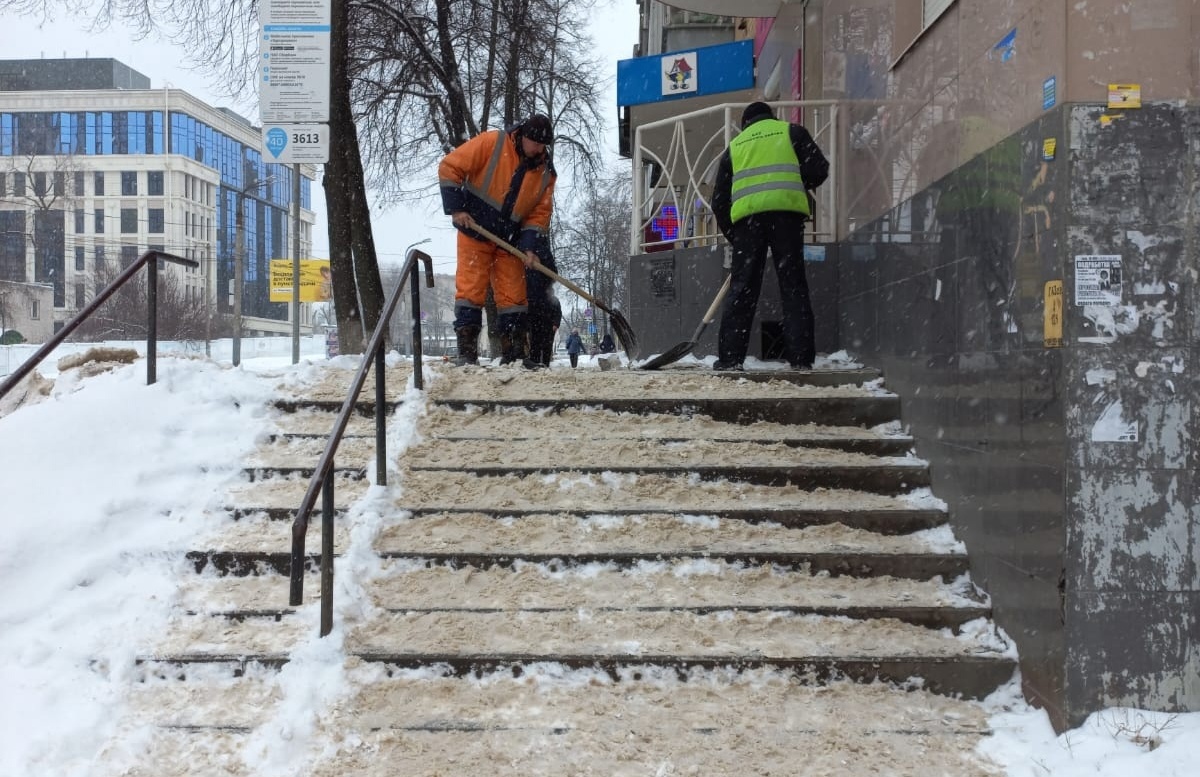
{"x": 839, "y": 411}
{"x": 583, "y": 723}
{"x": 365, "y": 406}
{"x": 888, "y": 521}
{"x": 291, "y": 453}
{"x": 690, "y": 585}
{"x": 771, "y": 465}
{"x": 720, "y": 398}
{"x": 611, "y": 492}
{"x": 972, "y": 663}
{"x": 281, "y": 494}
{"x": 319, "y": 423}
{"x": 250, "y": 547}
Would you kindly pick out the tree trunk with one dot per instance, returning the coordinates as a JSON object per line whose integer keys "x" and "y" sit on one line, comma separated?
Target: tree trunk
{"x": 338, "y": 194}
{"x": 366, "y": 263}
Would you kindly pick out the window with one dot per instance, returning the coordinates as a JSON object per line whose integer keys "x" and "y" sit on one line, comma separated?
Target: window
{"x": 78, "y": 184}
{"x": 79, "y": 258}
{"x": 98, "y": 185}
{"x": 101, "y": 260}
{"x": 79, "y": 221}
{"x": 129, "y": 255}
{"x": 912, "y": 18}
{"x": 39, "y": 185}
{"x": 98, "y": 215}
{"x": 35, "y": 309}
{"x": 60, "y": 183}
{"x": 931, "y": 10}
{"x": 3, "y": 188}
{"x": 128, "y": 184}
{"x": 154, "y": 183}
{"x": 80, "y": 296}
{"x": 128, "y": 221}
{"x": 18, "y": 184}
{"x": 156, "y": 221}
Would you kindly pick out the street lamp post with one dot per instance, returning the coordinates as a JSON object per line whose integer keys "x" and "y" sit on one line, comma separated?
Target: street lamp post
{"x": 239, "y": 262}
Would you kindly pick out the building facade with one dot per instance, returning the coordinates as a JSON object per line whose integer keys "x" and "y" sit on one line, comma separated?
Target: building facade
{"x": 1010, "y": 234}
{"x": 93, "y": 177}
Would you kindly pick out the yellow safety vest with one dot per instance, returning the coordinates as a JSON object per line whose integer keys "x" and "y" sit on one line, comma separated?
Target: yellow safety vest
{"x": 766, "y": 171}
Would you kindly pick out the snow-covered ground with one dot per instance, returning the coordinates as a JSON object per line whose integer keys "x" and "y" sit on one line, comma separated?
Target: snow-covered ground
{"x": 105, "y": 483}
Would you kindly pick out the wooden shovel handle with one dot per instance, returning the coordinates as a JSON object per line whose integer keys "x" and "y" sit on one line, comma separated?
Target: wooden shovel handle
{"x": 543, "y": 269}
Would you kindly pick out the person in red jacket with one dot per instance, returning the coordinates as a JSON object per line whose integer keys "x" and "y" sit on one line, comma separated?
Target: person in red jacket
{"x": 502, "y": 181}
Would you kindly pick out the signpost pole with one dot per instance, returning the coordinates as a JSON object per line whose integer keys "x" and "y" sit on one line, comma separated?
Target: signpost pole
{"x": 295, "y": 264}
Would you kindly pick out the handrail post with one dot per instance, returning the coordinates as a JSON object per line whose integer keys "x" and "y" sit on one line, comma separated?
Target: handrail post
{"x": 380, "y": 419}
{"x": 152, "y": 323}
{"x": 28, "y": 366}
{"x": 327, "y": 555}
{"x": 322, "y": 477}
{"x": 418, "y": 373}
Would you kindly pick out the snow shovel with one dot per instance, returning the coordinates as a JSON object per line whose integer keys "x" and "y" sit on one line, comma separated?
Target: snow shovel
{"x": 683, "y": 349}
{"x": 622, "y": 328}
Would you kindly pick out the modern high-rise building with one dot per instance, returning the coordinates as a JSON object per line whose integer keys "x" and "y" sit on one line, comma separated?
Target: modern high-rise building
{"x": 96, "y": 168}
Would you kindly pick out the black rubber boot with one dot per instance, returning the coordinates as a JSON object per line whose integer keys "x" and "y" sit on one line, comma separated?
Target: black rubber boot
{"x": 468, "y": 346}
{"x": 514, "y": 347}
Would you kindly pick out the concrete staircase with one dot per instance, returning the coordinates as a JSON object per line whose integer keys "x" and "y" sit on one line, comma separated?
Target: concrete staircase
{"x": 583, "y": 572}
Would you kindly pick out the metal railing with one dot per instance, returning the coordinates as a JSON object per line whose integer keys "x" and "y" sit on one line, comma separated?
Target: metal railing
{"x": 687, "y": 164}
{"x": 322, "y": 477}
{"x": 149, "y": 259}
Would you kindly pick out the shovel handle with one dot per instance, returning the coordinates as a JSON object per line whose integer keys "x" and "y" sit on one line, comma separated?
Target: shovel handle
{"x": 543, "y": 269}
{"x": 716, "y": 303}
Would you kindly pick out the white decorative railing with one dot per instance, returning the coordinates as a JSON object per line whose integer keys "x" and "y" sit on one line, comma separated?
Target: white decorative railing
{"x": 688, "y": 160}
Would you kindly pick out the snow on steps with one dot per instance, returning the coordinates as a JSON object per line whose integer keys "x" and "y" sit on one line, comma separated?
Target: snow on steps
{"x": 655, "y": 588}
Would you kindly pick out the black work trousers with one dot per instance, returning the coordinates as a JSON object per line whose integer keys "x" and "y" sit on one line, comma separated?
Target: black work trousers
{"x": 782, "y": 233}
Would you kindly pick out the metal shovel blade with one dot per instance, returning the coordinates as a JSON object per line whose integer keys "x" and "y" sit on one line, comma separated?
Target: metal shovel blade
{"x": 677, "y": 352}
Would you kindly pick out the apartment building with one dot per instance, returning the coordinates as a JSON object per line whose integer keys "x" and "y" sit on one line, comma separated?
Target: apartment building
{"x": 96, "y": 168}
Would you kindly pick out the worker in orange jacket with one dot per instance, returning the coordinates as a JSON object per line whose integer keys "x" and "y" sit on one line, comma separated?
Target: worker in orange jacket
{"x": 503, "y": 182}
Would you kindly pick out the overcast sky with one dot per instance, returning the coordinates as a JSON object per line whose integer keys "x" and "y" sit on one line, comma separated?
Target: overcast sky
{"x": 614, "y": 30}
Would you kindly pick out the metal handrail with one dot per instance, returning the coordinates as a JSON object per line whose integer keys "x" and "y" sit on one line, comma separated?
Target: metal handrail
{"x": 322, "y": 479}
{"x": 152, "y": 315}
{"x": 687, "y": 164}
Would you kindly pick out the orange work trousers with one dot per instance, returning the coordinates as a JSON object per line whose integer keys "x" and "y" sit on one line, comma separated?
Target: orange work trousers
{"x": 481, "y": 263}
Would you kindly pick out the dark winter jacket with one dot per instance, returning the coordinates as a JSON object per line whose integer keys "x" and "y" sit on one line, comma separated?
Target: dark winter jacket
{"x": 574, "y": 343}
{"x": 814, "y": 169}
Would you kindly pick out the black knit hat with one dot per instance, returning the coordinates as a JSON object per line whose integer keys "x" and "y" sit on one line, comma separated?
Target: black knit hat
{"x": 537, "y": 128}
{"x": 756, "y": 111}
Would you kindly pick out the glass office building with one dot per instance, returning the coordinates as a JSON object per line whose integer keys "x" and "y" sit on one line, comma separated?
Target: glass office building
{"x": 153, "y": 169}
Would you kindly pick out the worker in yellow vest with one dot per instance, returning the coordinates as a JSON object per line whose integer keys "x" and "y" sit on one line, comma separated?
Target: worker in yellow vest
{"x": 761, "y": 201}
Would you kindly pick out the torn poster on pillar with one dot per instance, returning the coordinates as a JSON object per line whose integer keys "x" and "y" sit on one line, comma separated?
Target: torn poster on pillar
{"x": 1112, "y": 426}
{"x": 1098, "y": 279}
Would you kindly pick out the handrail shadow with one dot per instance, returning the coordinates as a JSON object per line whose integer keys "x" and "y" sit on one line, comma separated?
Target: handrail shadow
{"x": 151, "y": 326}
{"x": 322, "y": 479}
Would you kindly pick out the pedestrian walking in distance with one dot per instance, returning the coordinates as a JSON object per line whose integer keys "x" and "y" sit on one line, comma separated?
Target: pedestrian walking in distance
{"x": 761, "y": 201}
{"x": 574, "y": 347}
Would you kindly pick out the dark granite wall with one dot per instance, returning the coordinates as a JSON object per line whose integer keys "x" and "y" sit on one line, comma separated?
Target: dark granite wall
{"x": 1088, "y": 548}
{"x": 670, "y": 291}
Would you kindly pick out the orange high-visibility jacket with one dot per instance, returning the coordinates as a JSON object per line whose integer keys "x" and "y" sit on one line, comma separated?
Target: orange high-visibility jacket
{"x": 478, "y": 176}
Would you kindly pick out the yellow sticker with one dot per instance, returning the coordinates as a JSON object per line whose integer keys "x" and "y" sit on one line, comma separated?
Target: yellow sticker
{"x": 1052, "y": 322}
{"x": 1124, "y": 96}
{"x": 1049, "y": 146}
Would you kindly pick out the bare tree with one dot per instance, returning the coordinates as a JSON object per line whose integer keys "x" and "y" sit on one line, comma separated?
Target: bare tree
{"x": 592, "y": 242}
{"x": 39, "y": 190}
{"x": 431, "y": 74}
{"x": 123, "y": 316}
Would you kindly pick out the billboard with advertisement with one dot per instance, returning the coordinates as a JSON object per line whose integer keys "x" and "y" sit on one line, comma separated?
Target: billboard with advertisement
{"x": 316, "y": 283}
